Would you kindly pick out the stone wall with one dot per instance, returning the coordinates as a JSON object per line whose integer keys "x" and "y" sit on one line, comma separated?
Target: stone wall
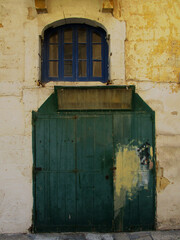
{"x": 144, "y": 47}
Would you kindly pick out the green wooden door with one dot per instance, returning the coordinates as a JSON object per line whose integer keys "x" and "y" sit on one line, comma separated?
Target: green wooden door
{"x": 73, "y": 173}
{"x": 75, "y": 189}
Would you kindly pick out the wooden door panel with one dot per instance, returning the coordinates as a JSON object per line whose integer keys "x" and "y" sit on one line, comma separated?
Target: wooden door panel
{"x": 135, "y": 182}
{"x": 94, "y": 161}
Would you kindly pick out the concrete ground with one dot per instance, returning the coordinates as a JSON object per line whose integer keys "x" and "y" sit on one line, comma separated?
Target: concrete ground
{"x": 152, "y": 235}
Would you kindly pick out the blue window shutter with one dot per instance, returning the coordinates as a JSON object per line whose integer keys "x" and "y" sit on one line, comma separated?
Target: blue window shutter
{"x": 87, "y": 62}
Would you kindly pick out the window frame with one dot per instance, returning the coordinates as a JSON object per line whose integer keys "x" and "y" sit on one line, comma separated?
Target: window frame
{"x": 89, "y": 59}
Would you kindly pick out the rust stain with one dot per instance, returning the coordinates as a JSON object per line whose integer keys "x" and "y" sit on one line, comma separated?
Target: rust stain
{"x": 31, "y": 14}
{"x": 174, "y": 113}
{"x": 1, "y": 25}
{"x": 175, "y": 88}
{"x": 161, "y": 184}
{"x": 161, "y": 181}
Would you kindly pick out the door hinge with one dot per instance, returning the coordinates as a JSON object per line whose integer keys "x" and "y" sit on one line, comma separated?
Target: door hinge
{"x": 37, "y": 169}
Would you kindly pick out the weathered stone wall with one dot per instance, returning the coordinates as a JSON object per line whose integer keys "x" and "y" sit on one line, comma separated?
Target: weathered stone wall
{"x": 153, "y": 65}
{"x": 145, "y": 54}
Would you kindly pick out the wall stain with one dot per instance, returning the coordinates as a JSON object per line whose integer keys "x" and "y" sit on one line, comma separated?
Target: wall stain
{"x": 152, "y": 44}
{"x": 174, "y": 113}
{"x": 31, "y": 13}
{"x": 161, "y": 181}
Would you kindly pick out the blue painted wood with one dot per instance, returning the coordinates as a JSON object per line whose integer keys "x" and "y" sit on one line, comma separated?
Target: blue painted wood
{"x": 75, "y": 77}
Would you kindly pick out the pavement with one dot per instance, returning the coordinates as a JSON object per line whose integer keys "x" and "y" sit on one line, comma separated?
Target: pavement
{"x": 150, "y": 235}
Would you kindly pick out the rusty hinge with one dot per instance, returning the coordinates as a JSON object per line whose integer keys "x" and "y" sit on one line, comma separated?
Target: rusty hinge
{"x": 113, "y": 168}
{"x": 37, "y": 169}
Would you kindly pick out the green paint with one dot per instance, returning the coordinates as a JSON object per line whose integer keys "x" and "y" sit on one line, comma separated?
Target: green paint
{"x": 134, "y": 186}
{"x": 74, "y": 191}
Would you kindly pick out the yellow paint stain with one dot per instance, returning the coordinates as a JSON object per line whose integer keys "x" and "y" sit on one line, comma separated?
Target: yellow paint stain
{"x": 127, "y": 175}
{"x": 130, "y": 175}
{"x": 161, "y": 183}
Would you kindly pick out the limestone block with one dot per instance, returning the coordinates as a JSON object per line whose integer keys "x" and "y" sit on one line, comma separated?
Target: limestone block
{"x": 30, "y": 99}
{"x": 164, "y": 101}
{"x": 13, "y": 143}
{"x": 27, "y": 144}
{"x": 168, "y": 158}
{"x": 117, "y": 69}
{"x": 12, "y": 74}
{"x": 10, "y": 88}
{"x": 11, "y": 156}
{"x": 168, "y": 140}
{"x": 15, "y": 150}
{"x": 168, "y": 210}
{"x": 12, "y": 117}
{"x": 16, "y": 205}
{"x": 32, "y": 51}
{"x": 15, "y": 61}
{"x": 8, "y": 48}
{"x": 28, "y": 123}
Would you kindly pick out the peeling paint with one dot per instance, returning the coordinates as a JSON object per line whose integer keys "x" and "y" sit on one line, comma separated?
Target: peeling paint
{"x": 131, "y": 174}
{"x": 152, "y": 44}
{"x": 127, "y": 175}
{"x": 152, "y": 55}
{"x": 143, "y": 153}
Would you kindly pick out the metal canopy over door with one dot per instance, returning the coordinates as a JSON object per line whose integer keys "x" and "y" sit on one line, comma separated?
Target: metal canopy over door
{"x": 94, "y": 170}
{"x": 74, "y": 189}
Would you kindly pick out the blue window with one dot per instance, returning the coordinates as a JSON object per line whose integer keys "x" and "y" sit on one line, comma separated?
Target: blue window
{"x": 75, "y": 52}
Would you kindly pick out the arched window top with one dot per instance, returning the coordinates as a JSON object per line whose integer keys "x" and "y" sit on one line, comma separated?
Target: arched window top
{"x": 75, "y": 52}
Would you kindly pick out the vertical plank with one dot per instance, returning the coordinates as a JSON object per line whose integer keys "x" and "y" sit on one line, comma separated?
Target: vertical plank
{"x": 55, "y": 184}
{"x": 85, "y": 166}
{"x": 94, "y": 162}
